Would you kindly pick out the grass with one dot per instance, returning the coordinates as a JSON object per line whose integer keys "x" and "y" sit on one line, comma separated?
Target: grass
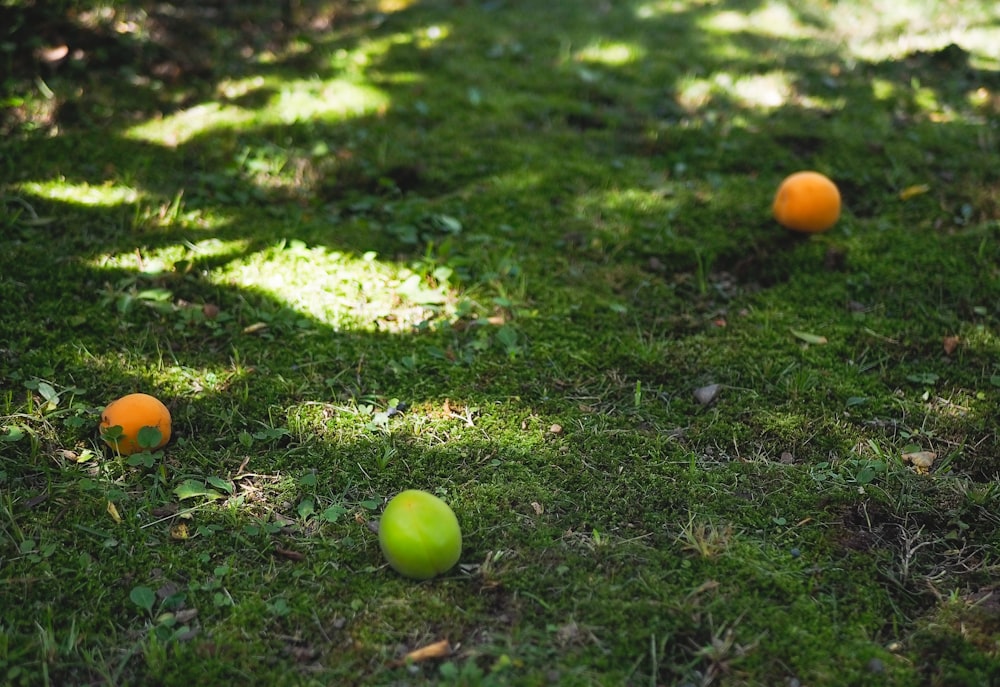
{"x": 490, "y": 250}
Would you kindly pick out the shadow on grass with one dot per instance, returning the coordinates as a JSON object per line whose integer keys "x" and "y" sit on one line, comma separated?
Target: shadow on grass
{"x": 533, "y": 146}
{"x": 520, "y": 131}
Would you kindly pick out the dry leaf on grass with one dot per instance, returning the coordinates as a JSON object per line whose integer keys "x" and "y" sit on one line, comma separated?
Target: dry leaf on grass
{"x": 441, "y": 649}
{"x": 913, "y": 191}
{"x": 922, "y": 460}
{"x": 289, "y": 554}
{"x": 113, "y": 512}
{"x": 809, "y": 337}
{"x": 53, "y": 53}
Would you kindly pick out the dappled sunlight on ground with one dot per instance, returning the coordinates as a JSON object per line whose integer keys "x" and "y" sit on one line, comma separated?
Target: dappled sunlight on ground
{"x": 883, "y": 29}
{"x": 327, "y": 288}
{"x": 758, "y": 92}
{"x": 105, "y": 195}
{"x": 288, "y": 102}
{"x": 610, "y": 53}
{"x": 175, "y": 258}
{"x": 345, "y": 292}
{"x": 520, "y": 254}
{"x": 179, "y": 128}
{"x": 772, "y": 19}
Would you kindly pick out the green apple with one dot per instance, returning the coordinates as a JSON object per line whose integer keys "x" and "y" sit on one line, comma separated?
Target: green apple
{"x": 419, "y": 535}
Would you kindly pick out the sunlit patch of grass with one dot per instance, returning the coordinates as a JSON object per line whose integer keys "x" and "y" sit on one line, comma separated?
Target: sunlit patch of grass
{"x": 775, "y": 19}
{"x": 201, "y": 119}
{"x": 105, "y": 195}
{"x": 429, "y": 36}
{"x": 345, "y": 291}
{"x": 376, "y": 48}
{"x": 883, "y": 29}
{"x": 319, "y": 99}
{"x": 312, "y": 99}
{"x": 614, "y": 54}
{"x": 338, "y": 289}
{"x": 762, "y": 91}
{"x": 450, "y": 249}
{"x": 659, "y": 8}
{"x": 394, "y": 5}
{"x": 980, "y": 337}
{"x": 173, "y": 257}
{"x": 237, "y": 88}
{"x": 612, "y": 210}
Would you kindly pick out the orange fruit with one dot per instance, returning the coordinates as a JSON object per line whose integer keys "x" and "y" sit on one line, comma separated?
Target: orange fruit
{"x": 808, "y": 202}
{"x": 133, "y": 413}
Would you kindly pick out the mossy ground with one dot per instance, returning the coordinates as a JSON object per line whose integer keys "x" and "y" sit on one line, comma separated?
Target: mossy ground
{"x": 541, "y": 226}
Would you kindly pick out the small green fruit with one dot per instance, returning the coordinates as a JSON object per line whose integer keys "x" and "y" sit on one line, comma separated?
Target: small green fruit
{"x": 419, "y": 535}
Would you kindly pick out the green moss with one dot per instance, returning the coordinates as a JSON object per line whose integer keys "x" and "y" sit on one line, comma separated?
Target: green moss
{"x": 490, "y": 250}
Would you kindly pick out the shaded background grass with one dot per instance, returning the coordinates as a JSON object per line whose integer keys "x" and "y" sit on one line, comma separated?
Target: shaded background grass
{"x": 541, "y": 228}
